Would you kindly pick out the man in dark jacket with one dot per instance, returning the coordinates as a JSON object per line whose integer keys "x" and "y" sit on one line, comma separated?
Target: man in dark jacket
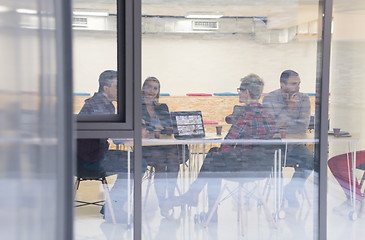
{"x": 94, "y": 155}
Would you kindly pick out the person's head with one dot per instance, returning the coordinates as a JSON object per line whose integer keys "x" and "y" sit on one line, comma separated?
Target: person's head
{"x": 151, "y": 90}
{"x": 250, "y": 89}
{"x": 108, "y": 84}
{"x": 289, "y": 81}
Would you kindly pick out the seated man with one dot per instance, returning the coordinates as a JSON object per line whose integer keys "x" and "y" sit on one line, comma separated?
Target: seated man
{"x": 94, "y": 155}
{"x": 248, "y": 122}
{"x": 291, "y": 111}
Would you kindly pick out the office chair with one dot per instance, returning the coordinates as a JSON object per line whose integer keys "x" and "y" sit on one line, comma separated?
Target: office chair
{"x": 95, "y": 175}
{"x": 183, "y": 154}
{"x": 246, "y": 190}
{"x": 243, "y": 192}
{"x": 362, "y": 181}
{"x": 302, "y": 191}
{"x": 362, "y": 184}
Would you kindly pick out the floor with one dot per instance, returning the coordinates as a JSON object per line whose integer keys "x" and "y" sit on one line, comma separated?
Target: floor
{"x": 299, "y": 223}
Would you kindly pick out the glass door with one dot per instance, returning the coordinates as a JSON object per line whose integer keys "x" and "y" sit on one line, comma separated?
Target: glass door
{"x": 229, "y": 119}
{"x": 346, "y": 143}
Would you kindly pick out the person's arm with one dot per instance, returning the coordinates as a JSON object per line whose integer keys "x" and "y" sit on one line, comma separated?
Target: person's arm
{"x": 164, "y": 114}
{"x": 86, "y": 109}
{"x": 237, "y": 130}
{"x": 294, "y": 118}
{"x": 237, "y": 111}
{"x": 300, "y": 116}
{"x": 277, "y": 110}
{"x": 162, "y": 111}
{"x": 229, "y": 119}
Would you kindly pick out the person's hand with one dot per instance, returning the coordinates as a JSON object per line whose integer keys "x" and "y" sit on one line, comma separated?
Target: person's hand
{"x": 159, "y": 127}
{"x": 144, "y": 132}
{"x": 292, "y": 101}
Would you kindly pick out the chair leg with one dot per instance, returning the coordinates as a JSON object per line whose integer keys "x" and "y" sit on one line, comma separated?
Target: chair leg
{"x": 268, "y": 214}
{"x": 363, "y": 194}
{"x": 215, "y": 206}
{"x": 76, "y": 186}
{"x": 262, "y": 202}
{"x": 267, "y": 188}
{"x": 241, "y": 208}
{"x": 362, "y": 181}
{"x": 241, "y": 211}
{"x": 306, "y": 197}
{"x": 148, "y": 186}
{"x": 108, "y": 199}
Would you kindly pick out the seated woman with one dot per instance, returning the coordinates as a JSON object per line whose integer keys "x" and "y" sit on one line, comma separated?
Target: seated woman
{"x": 248, "y": 122}
{"x": 340, "y": 167}
{"x": 164, "y": 159}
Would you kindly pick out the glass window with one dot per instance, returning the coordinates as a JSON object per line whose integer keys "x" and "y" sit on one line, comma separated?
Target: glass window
{"x": 104, "y": 176}
{"x": 347, "y": 133}
{"x": 103, "y": 188}
{"x": 95, "y": 59}
{"x": 35, "y": 127}
{"x": 236, "y": 83}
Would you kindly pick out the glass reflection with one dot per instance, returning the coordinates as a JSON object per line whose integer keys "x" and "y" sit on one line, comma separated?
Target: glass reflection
{"x": 98, "y": 159}
{"x": 95, "y": 48}
{"x": 345, "y": 196}
{"x": 255, "y": 146}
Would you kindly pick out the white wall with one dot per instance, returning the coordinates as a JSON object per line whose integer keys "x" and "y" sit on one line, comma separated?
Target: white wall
{"x": 92, "y": 54}
{"x": 347, "y": 101}
{"x": 192, "y": 64}
{"x": 198, "y": 63}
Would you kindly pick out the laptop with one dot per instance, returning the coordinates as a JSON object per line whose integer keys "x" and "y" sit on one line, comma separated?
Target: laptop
{"x": 188, "y": 124}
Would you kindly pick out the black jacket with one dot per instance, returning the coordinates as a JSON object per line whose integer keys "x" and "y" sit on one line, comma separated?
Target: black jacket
{"x": 162, "y": 112}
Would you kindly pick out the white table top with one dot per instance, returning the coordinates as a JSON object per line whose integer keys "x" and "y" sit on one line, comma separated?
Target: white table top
{"x": 215, "y": 139}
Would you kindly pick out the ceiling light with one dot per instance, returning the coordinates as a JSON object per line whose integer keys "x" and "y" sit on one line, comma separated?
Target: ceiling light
{"x": 80, "y": 12}
{"x": 26, "y": 11}
{"x": 204, "y": 15}
{"x": 4, "y": 9}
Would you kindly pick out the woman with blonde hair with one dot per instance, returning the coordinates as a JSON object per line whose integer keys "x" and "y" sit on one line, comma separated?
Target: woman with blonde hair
{"x": 164, "y": 159}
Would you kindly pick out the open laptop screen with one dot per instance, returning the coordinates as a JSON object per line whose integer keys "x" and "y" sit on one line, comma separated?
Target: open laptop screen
{"x": 188, "y": 124}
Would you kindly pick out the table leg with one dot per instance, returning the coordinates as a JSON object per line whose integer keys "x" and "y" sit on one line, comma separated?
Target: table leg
{"x": 129, "y": 185}
{"x": 275, "y": 184}
{"x": 278, "y": 187}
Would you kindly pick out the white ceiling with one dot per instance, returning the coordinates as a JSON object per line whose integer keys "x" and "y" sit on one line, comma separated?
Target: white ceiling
{"x": 280, "y": 13}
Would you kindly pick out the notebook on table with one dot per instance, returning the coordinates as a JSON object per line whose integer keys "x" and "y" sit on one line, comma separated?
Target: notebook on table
{"x": 188, "y": 124}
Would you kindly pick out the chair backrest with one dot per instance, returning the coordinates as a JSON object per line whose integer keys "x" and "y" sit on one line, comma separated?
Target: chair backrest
{"x": 361, "y": 167}
{"x": 90, "y": 171}
{"x": 91, "y": 175}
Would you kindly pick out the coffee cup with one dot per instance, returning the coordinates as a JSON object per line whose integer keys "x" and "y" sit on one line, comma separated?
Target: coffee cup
{"x": 169, "y": 131}
{"x": 282, "y": 132}
{"x": 156, "y": 133}
{"x": 218, "y": 129}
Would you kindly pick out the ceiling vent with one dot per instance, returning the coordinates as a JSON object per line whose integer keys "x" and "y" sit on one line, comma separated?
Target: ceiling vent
{"x": 205, "y": 25}
{"x": 79, "y": 21}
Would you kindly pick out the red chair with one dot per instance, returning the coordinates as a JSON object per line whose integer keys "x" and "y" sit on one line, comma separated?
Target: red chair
{"x": 210, "y": 122}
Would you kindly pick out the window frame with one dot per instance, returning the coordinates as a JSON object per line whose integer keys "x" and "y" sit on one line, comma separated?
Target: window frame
{"x": 120, "y": 125}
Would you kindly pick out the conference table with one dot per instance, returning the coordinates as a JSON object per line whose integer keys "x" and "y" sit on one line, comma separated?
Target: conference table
{"x": 213, "y": 139}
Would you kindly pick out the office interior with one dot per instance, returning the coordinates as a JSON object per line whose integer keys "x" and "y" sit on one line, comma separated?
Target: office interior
{"x": 261, "y": 37}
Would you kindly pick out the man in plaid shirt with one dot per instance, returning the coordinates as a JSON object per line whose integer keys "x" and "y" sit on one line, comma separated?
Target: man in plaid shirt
{"x": 252, "y": 123}
{"x": 249, "y": 122}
